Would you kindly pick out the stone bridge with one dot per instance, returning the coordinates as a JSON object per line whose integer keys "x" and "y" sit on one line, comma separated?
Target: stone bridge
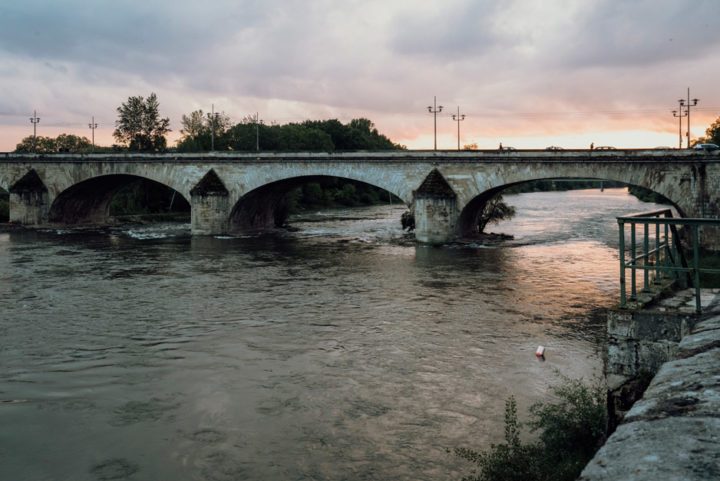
{"x": 230, "y": 191}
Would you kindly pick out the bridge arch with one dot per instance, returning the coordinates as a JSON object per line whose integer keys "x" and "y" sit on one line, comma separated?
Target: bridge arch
{"x": 268, "y": 205}
{"x": 471, "y": 210}
{"x": 89, "y": 201}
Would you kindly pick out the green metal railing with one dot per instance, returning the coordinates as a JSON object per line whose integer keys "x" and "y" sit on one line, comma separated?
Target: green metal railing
{"x": 659, "y": 255}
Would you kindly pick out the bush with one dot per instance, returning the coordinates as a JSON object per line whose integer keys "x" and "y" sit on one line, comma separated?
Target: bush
{"x": 570, "y": 431}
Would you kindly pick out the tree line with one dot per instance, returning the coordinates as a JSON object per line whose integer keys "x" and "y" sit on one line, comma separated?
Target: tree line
{"x": 140, "y": 128}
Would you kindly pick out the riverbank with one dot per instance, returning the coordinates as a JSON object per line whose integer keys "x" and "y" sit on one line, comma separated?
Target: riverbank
{"x": 671, "y": 432}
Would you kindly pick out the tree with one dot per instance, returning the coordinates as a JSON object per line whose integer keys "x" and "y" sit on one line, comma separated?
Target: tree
{"x": 494, "y": 211}
{"x": 712, "y": 134}
{"x": 39, "y": 145}
{"x": 197, "y": 130}
{"x": 139, "y": 126}
{"x": 47, "y": 145}
{"x": 72, "y": 143}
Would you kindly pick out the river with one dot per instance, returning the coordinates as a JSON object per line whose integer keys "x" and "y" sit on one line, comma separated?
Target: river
{"x": 335, "y": 351}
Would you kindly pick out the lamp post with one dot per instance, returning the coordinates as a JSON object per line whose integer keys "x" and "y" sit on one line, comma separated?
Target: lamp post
{"x": 93, "y": 126}
{"x": 257, "y": 131}
{"x": 458, "y": 118}
{"x": 213, "y": 118}
{"x": 687, "y": 108}
{"x": 34, "y": 120}
{"x": 435, "y": 109}
{"x": 679, "y": 116}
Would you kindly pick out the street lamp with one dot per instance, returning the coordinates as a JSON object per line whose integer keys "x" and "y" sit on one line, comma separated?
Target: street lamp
{"x": 435, "y": 109}
{"x": 34, "y": 120}
{"x": 687, "y": 108}
{"x": 93, "y": 126}
{"x": 213, "y": 119}
{"x": 257, "y": 130}
{"x": 679, "y": 116}
{"x": 458, "y": 118}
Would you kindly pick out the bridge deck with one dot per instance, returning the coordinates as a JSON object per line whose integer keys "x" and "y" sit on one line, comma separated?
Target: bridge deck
{"x": 415, "y": 156}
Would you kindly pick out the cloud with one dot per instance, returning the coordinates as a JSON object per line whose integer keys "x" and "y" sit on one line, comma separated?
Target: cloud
{"x": 511, "y": 66}
{"x": 641, "y": 33}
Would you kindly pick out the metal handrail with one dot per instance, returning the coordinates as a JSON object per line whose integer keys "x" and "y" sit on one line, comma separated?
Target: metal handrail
{"x": 666, "y": 258}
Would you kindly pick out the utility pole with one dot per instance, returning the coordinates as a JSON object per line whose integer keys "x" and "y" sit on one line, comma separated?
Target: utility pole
{"x": 34, "y": 120}
{"x": 257, "y": 130}
{"x": 687, "y": 108}
{"x": 458, "y": 118}
{"x": 93, "y": 126}
{"x": 679, "y": 114}
{"x": 435, "y": 109}
{"x": 212, "y": 127}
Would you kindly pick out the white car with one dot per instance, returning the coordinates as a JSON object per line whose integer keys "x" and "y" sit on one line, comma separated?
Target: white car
{"x": 706, "y": 147}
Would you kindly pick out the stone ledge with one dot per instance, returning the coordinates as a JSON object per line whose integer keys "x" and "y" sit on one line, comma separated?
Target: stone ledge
{"x": 687, "y": 387}
{"x": 672, "y": 449}
{"x": 709, "y": 324}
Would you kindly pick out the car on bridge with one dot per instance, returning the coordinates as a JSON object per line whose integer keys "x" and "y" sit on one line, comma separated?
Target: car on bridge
{"x": 605, "y": 147}
{"x": 706, "y": 147}
{"x": 554, "y": 148}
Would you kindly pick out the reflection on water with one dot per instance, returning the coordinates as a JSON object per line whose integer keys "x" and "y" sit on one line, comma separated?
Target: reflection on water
{"x": 334, "y": 352}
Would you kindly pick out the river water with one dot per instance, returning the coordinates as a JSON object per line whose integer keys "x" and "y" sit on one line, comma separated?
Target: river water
{"x": 337, "y": 351}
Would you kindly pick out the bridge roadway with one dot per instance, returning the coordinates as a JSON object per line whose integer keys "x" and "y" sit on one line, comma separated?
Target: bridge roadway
{"x": 231, "y": 191}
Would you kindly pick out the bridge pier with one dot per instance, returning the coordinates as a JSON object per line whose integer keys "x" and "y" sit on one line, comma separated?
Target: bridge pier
{"x": 435, "y": 210}
{"x": 29, "y": 201}
{"x": 209, "y": 206}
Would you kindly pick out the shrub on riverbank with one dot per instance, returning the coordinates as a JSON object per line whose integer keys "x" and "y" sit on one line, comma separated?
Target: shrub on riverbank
{"x": 569, "y": 429}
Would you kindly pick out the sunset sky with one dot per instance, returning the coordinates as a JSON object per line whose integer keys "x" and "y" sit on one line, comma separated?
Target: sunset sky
{"x": 527, "y": 73}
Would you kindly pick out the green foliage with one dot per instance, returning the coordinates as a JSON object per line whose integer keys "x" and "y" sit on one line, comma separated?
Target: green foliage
{"x": 570, "y": 430}
{"x": 334, "y": 192}
{"x": 560, "y": 185}
{"x": 311, "y": 135}
{"x": 48, "y": 145}
{"x": 494, "y": 210}
{"x": 712, "y": 134}
{"x": 198, "y": 128}
{"x": 143, "y": 196}
{"x": 139, "y": 126}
